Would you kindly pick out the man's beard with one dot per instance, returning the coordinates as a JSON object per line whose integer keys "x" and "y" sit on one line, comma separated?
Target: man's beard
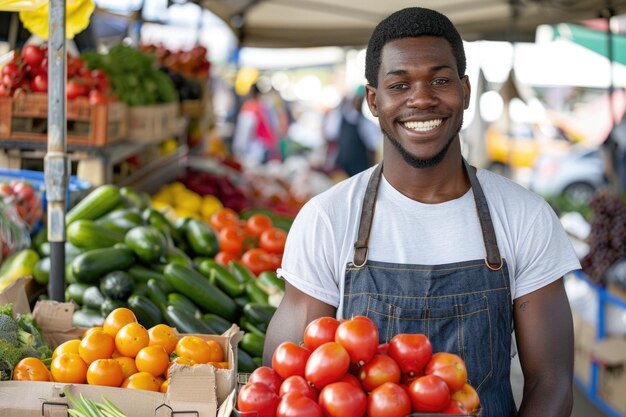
{"x": 421, "y": 163}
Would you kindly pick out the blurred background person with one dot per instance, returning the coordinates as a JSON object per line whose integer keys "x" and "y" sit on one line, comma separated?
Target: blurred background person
{"x": 352, "y": 139}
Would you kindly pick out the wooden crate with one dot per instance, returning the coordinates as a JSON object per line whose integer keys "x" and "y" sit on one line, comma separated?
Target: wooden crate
{"x": 153, "y": 123}
{"x": 25, "y": 117}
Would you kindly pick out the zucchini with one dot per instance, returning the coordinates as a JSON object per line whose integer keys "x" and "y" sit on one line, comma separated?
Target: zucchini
{"x": 194, "y": 285}
{"x": 185, "y": 322}
{"x": 93, "y": 298}
{"x": 110, "y": 304}
{"x": 120, "y": 220}
{"x": 242, "y": 301}
{"x": 90, "y": 266}
{"x": 245, "y": 324}
{"x": 75, "y": 292}
{"x": 157, "y": 293}
{"x": 174, "y": 254}
{"x": 134, "y": 199}
{"x": 256, "y": 294}
{"x": 157, "y": 220}
{"x": 201, "y": 238}
{"x": 87, "y": 234}
{"x": 270, "y": 283}
{"x": 225, "y": 280}
{"x": 245, "y": 363}
{"x": 148, "y": 313}
{"x": 253, "y": 344}
{"x": 218, "y": 323}
{"x": 87, "y": 318}
{"x": 146, "y": 242}
{"x": 142, "y": 273}
{"x": 241, "y": 272}
{"x": 258, "y": 362}
{"x": 184, "y": 303}
{"x": 95, "y": 204}
{"x": 117, "y": 285}
{"x": 41, "y": 271}
{"x": 141, "y": 288}
{"x": 259, "y": 314}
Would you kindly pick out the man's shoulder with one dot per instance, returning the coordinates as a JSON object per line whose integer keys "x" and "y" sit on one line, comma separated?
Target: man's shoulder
{"x": 495, "y": 185}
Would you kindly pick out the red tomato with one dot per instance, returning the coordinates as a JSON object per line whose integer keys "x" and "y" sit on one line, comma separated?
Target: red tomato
{"x": 449, "y": 367}
{"x": 429, "y": 394}
{"x": 74, "y": 89}
{"x": 388, "y": 400}
{"x": 290, "y": 359}
{"x": 359, "y": 337}
{"x": 455, "y": 407}
{"x": 24, "y": 191}
{"x": 468, "y": 397}
{"x": 33, "y": 55}
{"x": 266, "y": 375}
{"x": 257, "y": 224}
{"x": 411, "y": 351}
{"x": 96, "y": 97}
{"x": 259, "y": 398}
{"x": 276, "y": 260}
{"x": 223, "y": 258}
{"x": 231, "y": 239}
{"x": 320, "y": 331}
{"x": 256, "y": 260}
{"x": 351, "y": 379}
{"x": 296, "y": 383}
{"x": 294, "y": 404}
{"x": 340, "y": 399}
{"x": 273, "y": 240}
{"x": 379, "y": 370}
{"x": 328, "y": 363}
{"x": 39, "y": 84}
{"x": 383, "y": 348}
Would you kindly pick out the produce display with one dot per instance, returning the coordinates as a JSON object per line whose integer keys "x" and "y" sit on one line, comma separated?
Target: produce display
{"x": 342, "y": 371}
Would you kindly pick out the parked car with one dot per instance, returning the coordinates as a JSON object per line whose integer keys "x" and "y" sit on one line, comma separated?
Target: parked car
{"x": 575, "y": 175}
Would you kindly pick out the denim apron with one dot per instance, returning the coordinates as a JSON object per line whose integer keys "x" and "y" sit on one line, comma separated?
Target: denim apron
{"x": 463, "y": 308}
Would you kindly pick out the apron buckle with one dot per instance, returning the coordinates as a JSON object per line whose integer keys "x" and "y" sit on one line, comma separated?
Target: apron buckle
{"x": 364, "y": 257}
{"x": 494, "y": 267}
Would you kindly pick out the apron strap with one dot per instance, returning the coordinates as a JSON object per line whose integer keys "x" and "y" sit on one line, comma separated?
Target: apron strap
{"x": 367, "y": 216}
{"x": 493, "y": 259}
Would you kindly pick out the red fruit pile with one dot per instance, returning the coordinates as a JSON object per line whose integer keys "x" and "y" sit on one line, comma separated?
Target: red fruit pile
{"x": 342, "y": 371}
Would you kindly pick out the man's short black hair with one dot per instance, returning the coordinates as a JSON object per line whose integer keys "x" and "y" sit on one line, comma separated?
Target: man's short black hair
{"x": 410, "y": 23}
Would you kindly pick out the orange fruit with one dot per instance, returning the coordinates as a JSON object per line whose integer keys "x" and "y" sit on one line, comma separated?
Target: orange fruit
{"x": 180, "y": 360}
{"x": 69, "y": 367}
{"x": 117, "y": 319}
{"x": 96, "y": 345}
{"x": 163, "y": 335}
{"x": 141, "y": 380}
{"x": 217, "y": 354}
{"x": 31, "y": 369}
{"x": 105, "y": 372}
{"x": 164, "y": 386}
{"x": 152, "y": 359}
{"x": 70, "y": 346}
{"x": 89, "y": 330}
{"x": 131, "y": 338}
{"x": 128, "y": 365}
{"x": 195, "y": 348}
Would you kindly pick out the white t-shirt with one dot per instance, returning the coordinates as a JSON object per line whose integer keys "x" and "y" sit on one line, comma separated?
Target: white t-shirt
{"x": 321, "y": 240}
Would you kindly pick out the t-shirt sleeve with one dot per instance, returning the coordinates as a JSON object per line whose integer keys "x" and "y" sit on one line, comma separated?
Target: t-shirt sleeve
{"x": 308, "y": 258}
{"x": 547, "y": 252}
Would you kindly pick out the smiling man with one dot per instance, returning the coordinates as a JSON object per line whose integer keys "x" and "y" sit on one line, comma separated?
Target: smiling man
{"x": 426, "y": 243}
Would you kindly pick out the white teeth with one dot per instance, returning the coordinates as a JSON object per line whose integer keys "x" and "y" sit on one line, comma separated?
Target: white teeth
{"x": 423, "y": 126}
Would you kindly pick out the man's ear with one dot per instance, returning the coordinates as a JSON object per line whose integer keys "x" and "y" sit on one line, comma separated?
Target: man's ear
{"x": 467, "y": 90}
{"x": 370, "y": 96}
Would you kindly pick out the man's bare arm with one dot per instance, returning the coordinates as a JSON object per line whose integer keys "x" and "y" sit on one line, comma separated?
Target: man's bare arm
{"x": 295, "y": 311}
{"x": 545, "y": 341}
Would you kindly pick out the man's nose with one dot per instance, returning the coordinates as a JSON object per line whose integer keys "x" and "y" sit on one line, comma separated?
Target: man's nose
{"x": 422, "y": 96}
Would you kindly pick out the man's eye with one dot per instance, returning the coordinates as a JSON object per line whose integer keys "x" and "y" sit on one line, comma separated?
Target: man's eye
{"x": 398, "y": 86}
{"x": 440, "y": 81}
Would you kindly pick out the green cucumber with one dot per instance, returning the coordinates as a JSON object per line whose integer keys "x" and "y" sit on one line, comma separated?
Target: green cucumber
{"x": 201, "y": 238}
{"x": 87, "y": 318}
{"x": 194, "y": 285}
{"x": 90, "y": 266}
{"x": 245, "y": 324}
{"x": 241, "y": 272}
{"x": 186, "y": 323}
{"x": 157, "y": 292}
{"x": 225, "y": 280}
{"x": 141, "y": 288}
{"x": 110, "y": 304}
{"x": 157, "y": 220}
{"x": 41, "y": 271}
{"x": 147, "y": 242}
{"x": 245, "y": 363}
{"x": 142, "y": 273}
{"x": 259, "y": 314}
{"x": 242, "y": 301}
{"x": 87, "y": 234}
{"x": 182, "y": 302}
{"x": 134, "y": 199}
{"x": 174, "y": 254}
{"x": 93, "y": 298}
{"x": 270, "y": 283}
{"x": 75, "y": 292}
{"x": 256, "y": 294}
{"x": 218, "y": 323}
{"x": 148, "y": 313}
{"x": 95, "y": 204}
{"x": 121, "y": 220}
{"x": 253, "y": 344}
{"x": 117, "y": 285}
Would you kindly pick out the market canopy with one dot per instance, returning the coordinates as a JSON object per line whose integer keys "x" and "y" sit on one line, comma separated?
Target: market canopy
{"x": 594, "y": 40}
{"x": 308, "y": 23}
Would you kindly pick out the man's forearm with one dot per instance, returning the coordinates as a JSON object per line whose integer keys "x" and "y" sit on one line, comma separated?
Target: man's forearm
{"x": 550, "y": 397}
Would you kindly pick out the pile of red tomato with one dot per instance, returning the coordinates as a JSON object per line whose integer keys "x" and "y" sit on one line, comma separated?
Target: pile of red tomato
{"x": 28, "y": 72}
{"x": 255, "y": 242}
{"x": 342, "y": 371}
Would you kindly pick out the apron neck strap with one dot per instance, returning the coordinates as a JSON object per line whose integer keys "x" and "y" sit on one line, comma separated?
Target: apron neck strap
{"x": 493, "y": 259}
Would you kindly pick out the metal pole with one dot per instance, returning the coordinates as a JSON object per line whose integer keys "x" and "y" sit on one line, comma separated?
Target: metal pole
{"x": 56, "y": 163}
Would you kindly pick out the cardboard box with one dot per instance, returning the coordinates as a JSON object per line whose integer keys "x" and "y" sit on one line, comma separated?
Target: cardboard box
{"x": 153, "y": 124}
{"x": 584, "y": 339}
{"x": 610, "y": 354}
{"x": 198, "y": 390}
